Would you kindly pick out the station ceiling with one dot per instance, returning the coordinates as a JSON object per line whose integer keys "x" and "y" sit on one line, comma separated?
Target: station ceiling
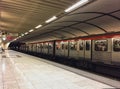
{"x": 96, "y": 17}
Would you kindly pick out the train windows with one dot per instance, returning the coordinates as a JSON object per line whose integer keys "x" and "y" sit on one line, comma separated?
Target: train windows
{"x": 81, "y": 45}
{"x": 101, "y": 45}
{"x": 116, "y": 45}
{"x": 87, "y": 45}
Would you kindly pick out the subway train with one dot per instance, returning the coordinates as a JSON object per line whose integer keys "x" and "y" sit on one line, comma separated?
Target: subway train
{"x": 100, "y": 53}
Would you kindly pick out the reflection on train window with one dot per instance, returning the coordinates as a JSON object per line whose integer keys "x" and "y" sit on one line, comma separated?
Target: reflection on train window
{"x": 66, "y": 46}
{"x": 41, "y": 45}
{"x": 45, "y": 46}
{"x": 50, "y": 46}
{"x": 73, "y": 45}
{"x": 116, "y": 45}
{"x": 81, "y": 45}
{"x": 87, "y": 45}
{"x": 62, "y": 46}
{"x": 101, "y": 45}
{"x": 57, "y": 46}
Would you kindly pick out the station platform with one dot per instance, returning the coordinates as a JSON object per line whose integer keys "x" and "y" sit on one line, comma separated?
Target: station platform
{"x": 22, "y": 71}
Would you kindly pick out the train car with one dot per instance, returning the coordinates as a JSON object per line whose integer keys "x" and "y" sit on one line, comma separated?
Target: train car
{"x": 96, "y": 53}
{"x": 106, "y": 51}
{"x": 98, "y": 49}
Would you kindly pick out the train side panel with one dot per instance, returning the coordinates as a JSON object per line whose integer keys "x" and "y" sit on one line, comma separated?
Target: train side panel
{"x": 101, "y": 51}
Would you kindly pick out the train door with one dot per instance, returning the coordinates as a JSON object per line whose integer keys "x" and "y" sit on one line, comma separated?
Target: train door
{"x": 28, "y": 47}
{"x": 87, "y": 49}
{"x": 41, "y": 47}
{"x": 61, "y": 48}
{"x": 31, "y": 45}
{"x": 37, "y": 49}
{"x": 45, "y": 48}
{"x": 65, "y": 48}
{"x": 73, "y": 49}
{"x": 58, "y": 48}
{"x": 116, "y": 50}
{"x": 34, "y": 47}
{"x": 81, "y": 49}
{"x": 50, "y": 48}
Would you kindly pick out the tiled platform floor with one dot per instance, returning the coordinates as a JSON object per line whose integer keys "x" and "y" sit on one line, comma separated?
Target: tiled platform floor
{"x": 21, "y": 71}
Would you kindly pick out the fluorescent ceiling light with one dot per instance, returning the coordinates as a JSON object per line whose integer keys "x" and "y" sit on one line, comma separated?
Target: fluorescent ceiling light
{"x": 78, "y": 4}
{"x": 31, "y": 30}
{"x": 22, "y": 35}
{"x": 51, "y": 19}
{"x": 26, "y": 33}
{"x": 38, "y": 26}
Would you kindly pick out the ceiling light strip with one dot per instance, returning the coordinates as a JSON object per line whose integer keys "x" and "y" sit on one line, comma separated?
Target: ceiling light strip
{"x": 38, "y": 26}
{"x": 31, "y": 30}
{"x": 26, "y": 33}
{"x": 51, "y": 19}
{"x": 78, "y": 4}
